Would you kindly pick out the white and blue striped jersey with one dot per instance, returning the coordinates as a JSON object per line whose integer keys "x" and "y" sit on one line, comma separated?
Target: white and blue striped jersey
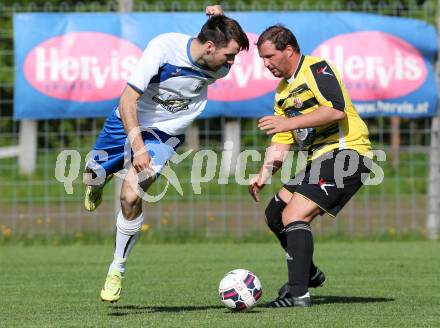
{"x": 173, "y": 87}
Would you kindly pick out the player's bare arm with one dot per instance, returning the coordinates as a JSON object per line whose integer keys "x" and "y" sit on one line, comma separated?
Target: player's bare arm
{"x": 273, "y": 160}
{"x": 321, "y": 116}
{"x": 127, "y": 109}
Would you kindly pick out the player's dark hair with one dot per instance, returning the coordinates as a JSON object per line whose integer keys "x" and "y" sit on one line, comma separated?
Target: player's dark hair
{"x": 280, "y": 36}
{"x": 221, "y": 30}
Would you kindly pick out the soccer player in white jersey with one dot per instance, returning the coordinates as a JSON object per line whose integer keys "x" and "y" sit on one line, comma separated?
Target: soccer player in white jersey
{"x": 166, "y": 92}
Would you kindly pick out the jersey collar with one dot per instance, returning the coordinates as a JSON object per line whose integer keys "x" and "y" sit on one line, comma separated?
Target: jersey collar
{"x": 301, "y": 60}
{"x": 188, "y": 53}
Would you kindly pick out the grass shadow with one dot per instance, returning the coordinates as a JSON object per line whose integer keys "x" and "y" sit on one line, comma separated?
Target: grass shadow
{"x": 123, "y": 310}
{"x": 323, "y": 299}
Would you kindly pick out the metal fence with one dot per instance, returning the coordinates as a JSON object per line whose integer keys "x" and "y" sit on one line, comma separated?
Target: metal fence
{"x": 37, "y": 204}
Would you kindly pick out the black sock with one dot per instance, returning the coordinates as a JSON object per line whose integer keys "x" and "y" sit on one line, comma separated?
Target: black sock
{"x": 300, "y": 248}
{"x": 313, "y": 268}
{"x": 282, "y": 238}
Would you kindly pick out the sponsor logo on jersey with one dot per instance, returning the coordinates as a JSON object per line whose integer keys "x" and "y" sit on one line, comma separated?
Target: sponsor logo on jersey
{"x": 171, "y": 102}
{"x": 323, "y": 71}
{"x": 297, "y": 102}
{"x": 374, "y": 64}
{"x": 176, "y": 72}
{"x": 81, "y": 66}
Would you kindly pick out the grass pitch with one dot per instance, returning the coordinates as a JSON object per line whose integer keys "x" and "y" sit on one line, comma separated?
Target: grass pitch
{"x": 387, "y": 284}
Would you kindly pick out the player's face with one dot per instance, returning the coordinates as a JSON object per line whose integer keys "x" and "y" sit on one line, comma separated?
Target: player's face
{"x": 277, "y": 61}
{"x": 218, "y": 57}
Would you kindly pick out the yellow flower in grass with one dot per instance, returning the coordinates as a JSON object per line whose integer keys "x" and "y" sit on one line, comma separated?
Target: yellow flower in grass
{"x": 39, "y": 221}
{"x": 210, "y": 216}
{"x": 7, "y": 232}
{"x": 165, "y": 221}
{"x": 391, "y": 231}
{"x": 145, "y": 227}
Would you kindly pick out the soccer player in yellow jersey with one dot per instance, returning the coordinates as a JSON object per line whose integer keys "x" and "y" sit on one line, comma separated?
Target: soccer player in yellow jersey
{"x": 313, "y": 111}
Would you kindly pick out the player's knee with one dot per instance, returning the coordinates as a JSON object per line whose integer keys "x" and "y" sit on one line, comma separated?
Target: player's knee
{"x": 273, "y": 214}
{"x": 131, "y": 205}
{"x": 288, "y": 217}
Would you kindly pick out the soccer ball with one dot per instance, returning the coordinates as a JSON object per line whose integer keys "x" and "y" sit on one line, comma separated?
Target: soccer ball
{"x": 240, "y": 290}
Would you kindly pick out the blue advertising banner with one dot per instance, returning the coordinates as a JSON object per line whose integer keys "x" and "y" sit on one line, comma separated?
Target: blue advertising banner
{"x": 76, "y": 65}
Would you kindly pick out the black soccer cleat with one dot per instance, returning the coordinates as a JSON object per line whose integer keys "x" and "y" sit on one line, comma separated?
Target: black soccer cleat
{"x": 316, "y": 281}
{"x": 290, "y": 301}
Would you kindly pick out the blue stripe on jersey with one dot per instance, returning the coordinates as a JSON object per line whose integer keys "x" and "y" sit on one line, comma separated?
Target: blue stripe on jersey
{"x": 168, "y": 71}
{"x": 135, "y": 88}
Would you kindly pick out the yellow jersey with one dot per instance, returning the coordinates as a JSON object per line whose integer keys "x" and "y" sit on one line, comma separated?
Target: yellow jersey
{"x": 316, "y": 83}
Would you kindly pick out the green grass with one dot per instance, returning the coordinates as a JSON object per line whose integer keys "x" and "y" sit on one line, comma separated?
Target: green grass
{"x": 382, "y": 284}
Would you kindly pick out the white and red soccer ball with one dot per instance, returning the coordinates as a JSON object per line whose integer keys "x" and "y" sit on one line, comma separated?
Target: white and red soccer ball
{"x": 240, "y": 290}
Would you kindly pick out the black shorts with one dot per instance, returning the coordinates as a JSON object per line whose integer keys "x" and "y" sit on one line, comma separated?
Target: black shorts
{"x": 332, "y": 179}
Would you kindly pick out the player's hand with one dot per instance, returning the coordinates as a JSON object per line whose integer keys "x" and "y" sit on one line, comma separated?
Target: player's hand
{"x": 142, "y": 161}
{"x": 214, "y": 10}
{"x": 142, "y": 165}
{"x": 254, "y": 188}
{"x": 275, "y": 124}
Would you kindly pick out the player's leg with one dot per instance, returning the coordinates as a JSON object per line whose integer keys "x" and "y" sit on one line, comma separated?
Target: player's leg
{"x": 297, "y": 217}
{"x": 128, "y": 225}
{"x": 107, "y": 157}
{"x": 340, "y": 176}
{"x": 273, "y": 215}
{"x": 130, "y": 218}
{"x": 311, "y": 198}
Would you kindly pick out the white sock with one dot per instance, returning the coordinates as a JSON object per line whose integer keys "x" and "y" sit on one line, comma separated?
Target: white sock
{"x": 127, "y": 233}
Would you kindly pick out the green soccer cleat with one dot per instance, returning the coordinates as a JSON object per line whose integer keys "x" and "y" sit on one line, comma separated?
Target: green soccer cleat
{"x": 93, "y": 195}
{"x": 111, "y": 292}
